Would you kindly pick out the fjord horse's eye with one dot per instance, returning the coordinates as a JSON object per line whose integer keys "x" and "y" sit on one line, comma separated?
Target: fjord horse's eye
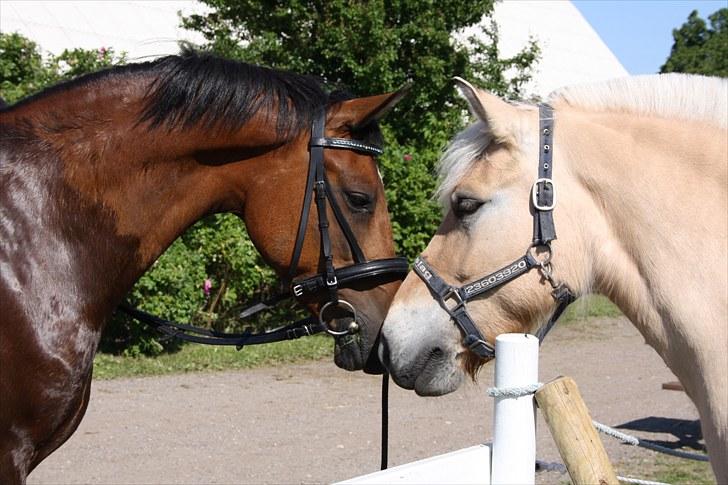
{"x": 358, "y": 201}
{"x": 465, "y": 206}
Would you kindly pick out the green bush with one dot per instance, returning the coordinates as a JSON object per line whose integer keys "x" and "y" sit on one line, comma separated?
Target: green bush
{"x": 215, "y": 249}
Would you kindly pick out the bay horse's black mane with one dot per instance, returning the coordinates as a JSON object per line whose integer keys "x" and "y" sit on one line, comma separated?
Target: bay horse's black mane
{"x": 199, "y": 88}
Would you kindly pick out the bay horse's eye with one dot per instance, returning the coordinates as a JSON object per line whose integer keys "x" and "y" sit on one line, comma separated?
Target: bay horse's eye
{"x": 359, "y": 201}
{"x": 465, "y": 206}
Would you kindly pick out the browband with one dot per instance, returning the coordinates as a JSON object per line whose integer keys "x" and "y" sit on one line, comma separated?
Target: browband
{"x": 346, "y": 144}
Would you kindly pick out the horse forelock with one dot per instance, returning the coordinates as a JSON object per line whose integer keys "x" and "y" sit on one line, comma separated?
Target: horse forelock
{"x": 681, "y": 96}
{"x": 459, "y": 157}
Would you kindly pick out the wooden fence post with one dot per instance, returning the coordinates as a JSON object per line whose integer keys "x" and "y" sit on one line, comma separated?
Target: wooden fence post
{"x": 571, "y": 427}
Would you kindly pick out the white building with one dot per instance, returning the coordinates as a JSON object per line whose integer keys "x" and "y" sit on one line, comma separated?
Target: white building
{"x": 571, "y": 51}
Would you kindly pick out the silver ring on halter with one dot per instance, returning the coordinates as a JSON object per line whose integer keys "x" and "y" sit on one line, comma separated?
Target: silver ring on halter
{"x": 353, "y": 326}
{"x": 547, "y": 260}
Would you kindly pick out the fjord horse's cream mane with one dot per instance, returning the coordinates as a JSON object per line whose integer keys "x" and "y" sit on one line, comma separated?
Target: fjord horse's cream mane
{"x": 675, "y": 96}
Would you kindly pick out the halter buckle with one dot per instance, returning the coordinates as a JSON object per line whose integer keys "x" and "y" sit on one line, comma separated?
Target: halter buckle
{"x": 332, "y": 282}
{"x": 298, "y": 290}
{"x": 534, "y": 194}
{"x": 453, "y": 293}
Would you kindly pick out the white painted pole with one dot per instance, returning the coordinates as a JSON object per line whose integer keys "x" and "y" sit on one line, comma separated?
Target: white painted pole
{"x": 514, "y": 429}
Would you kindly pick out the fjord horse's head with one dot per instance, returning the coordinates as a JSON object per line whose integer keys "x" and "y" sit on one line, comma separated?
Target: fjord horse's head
{"x": 487, "y": 175}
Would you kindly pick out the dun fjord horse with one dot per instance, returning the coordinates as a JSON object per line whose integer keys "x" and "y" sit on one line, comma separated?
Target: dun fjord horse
{"x": 632, "y": 177}
{"x": 99, "y": 175}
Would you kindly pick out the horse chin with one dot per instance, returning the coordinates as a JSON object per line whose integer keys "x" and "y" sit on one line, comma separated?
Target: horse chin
{"x": 351, "y": 351}
{"x": 356, "y": 351}
{"x": 348, "y": 352}
{"x": 430, "y": 375}
{"x": 438, "y": 379}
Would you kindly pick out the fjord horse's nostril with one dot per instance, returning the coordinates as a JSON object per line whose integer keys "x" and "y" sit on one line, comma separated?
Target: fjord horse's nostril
{"x": 436, "y": 353}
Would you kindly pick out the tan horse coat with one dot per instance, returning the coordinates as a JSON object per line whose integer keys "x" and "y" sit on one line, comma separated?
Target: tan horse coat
{"x": 640, "y": 170}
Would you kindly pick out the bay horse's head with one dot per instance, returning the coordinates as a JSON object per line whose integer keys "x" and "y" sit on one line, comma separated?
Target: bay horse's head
{"x": 468, "y": 285}
{"x": 300, "y": 169}
{"x": 328, "y": 234}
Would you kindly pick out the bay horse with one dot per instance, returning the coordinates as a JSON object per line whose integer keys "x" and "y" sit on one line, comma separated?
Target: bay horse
{"x": 631, "y": 174}
{"x": 99, "y": 175}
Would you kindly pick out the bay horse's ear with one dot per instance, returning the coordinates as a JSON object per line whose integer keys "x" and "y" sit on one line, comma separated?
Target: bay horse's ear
{"x": 360, "y": 112}
{"x": 497, "y": 115}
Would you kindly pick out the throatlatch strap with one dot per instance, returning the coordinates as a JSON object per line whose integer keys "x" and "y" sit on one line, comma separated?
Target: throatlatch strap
{"x": 544, "y": 230}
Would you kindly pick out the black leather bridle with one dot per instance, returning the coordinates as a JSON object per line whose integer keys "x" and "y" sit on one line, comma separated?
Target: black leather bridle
{"x": 453, "y": 299}
{"x": 322, "y": 287}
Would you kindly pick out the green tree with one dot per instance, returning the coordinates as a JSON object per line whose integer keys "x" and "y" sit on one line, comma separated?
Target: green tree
{"x": 370, "y": 47}
{"x": 24, "y": 70}
{"x": 699, "y": 49}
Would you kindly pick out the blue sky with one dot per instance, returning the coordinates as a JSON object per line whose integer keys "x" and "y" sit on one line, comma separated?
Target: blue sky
{"x": 639, "y": 32}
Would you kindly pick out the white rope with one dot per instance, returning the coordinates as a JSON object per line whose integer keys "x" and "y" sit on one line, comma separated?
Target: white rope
{"x": 634, "y": 441}
{"x": 516, "y": 391}
{"x": 639, "y": 482}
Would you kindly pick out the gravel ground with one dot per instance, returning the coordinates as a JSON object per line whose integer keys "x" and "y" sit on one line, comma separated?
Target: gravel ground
{"x": 315, "y": 423}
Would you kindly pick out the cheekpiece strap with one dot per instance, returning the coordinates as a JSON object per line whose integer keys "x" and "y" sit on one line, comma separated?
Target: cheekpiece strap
{"x": 543, "y": 194}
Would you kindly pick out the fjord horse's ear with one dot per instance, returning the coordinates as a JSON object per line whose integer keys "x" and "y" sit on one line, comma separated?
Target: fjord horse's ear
{"x": 360, "y": 112}
{"x": 498, "y": 116}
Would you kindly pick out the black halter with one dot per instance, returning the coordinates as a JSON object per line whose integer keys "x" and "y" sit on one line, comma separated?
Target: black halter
{"x": 322, "y": 287}
{"x": 453, "y": 299}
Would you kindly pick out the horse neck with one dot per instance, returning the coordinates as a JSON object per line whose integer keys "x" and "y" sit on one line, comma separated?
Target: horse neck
{"x": 112, "y": 194}
{"x": 653, "y": 193}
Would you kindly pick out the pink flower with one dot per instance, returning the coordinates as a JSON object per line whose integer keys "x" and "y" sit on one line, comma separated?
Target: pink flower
{"x": 207, "y": 286}
{"x": 407, "y": 157}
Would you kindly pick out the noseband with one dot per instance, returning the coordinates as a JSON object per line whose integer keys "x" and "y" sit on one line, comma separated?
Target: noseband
{"x": 322, "y": 287}
{"x": 453, "y": 299}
